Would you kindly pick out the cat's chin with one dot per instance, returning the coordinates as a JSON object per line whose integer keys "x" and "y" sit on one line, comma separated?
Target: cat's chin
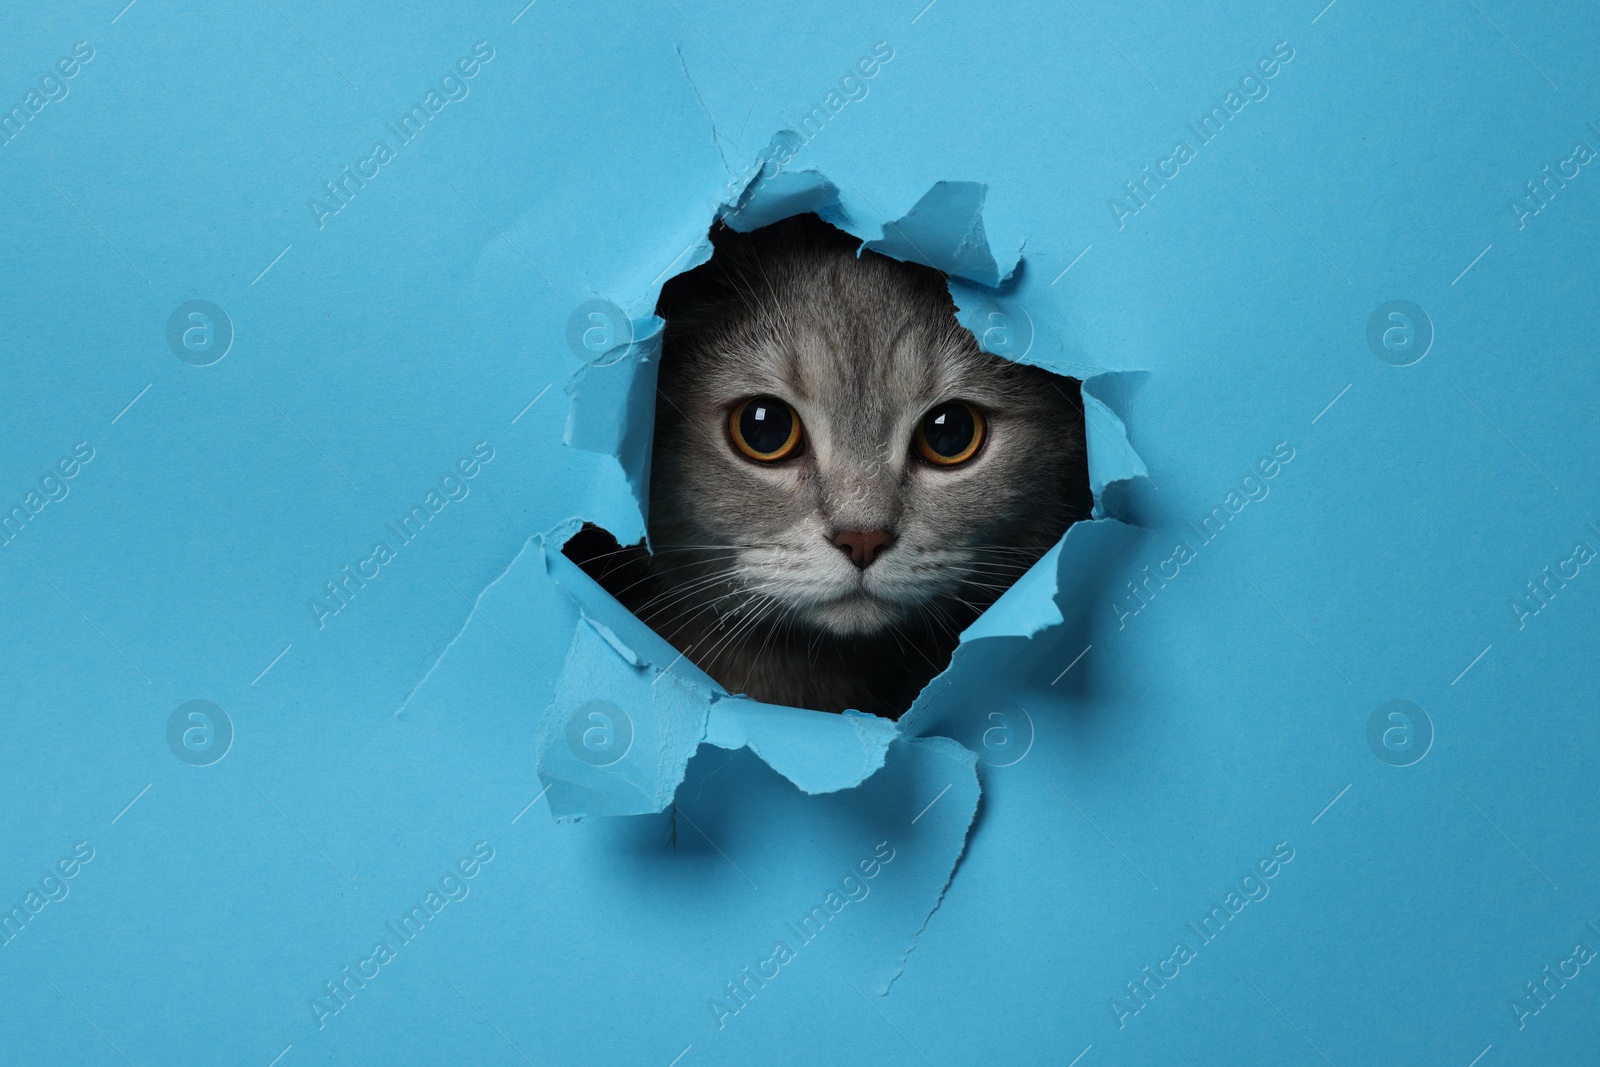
{"x": 857, "y": 614}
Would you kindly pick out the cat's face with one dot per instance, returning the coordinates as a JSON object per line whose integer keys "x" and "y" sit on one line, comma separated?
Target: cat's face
{"x": 834, "y": 450}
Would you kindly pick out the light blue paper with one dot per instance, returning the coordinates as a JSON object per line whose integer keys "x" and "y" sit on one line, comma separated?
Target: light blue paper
{"x": 1231, "y": 644}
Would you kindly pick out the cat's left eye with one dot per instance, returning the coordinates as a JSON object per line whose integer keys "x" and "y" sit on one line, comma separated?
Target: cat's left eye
{"x": 950, "y": 434}
{"x": 765, "y": 429}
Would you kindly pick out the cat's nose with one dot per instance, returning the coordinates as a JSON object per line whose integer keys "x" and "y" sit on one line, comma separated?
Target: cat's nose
{"x": 862, "y": 546}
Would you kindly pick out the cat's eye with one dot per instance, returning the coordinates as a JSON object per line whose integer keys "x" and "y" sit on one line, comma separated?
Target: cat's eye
{"x": 950, "y": 434}
{"x": 765, "y": 428}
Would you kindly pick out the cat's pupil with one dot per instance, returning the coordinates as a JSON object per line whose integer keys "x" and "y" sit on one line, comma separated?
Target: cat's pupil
{"x": 766, "y": 424}
{"x": 949, "y": 429}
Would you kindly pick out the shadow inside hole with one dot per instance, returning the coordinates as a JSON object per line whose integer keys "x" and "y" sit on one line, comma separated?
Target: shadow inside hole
{"x": 775, "y": 291}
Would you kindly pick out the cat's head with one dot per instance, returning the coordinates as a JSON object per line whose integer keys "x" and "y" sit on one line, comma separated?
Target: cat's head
{"x": 832, "y": 449}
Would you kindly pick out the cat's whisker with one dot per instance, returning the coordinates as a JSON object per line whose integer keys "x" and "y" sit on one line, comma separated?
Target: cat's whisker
{"x": 900, "y": 638}
{"x": 754, "y": 614}
{"x": 737, "y": 589}
{"x": 974, "y": 581}
{"x": 687, "y": 612}
{"x": 941, "y": 616}
{"x": 692, "y": 589}
{"x": 655, "y": 574}
{"x": 773, "y": 630}
{"x": 914, "y": 646}
{"x": 682, "y": 585}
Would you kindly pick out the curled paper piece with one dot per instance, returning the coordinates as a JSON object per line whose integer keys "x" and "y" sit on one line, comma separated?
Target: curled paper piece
{"x": 612, "y": 413}
{"x": 945, "y": 230}
{"x": 771, "y": 199}
{"x": 818, "y": 753}
{"x": 1111, "y": 455}
{"x": 620, "y": 727}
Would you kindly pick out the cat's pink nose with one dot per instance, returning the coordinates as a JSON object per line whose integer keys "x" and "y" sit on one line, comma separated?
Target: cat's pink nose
{"x": 863, "y": 546}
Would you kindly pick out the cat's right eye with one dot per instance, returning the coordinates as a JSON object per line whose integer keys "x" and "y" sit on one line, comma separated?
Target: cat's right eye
{"x": 765, "y": 429}
{"x": 950, "y": 434}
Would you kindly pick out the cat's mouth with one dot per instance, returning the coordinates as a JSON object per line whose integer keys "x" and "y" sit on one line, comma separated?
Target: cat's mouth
{"x": 846, "y": 601}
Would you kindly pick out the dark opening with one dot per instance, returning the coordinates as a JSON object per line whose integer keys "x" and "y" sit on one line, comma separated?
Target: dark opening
{"x": 841, "y": 479}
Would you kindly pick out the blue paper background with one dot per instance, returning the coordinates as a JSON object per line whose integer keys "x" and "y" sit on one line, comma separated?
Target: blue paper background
{"x": 1229, "y": 714}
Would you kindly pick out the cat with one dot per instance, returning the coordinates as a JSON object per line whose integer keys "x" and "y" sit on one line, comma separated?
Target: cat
{"x": 841, "y": 479}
